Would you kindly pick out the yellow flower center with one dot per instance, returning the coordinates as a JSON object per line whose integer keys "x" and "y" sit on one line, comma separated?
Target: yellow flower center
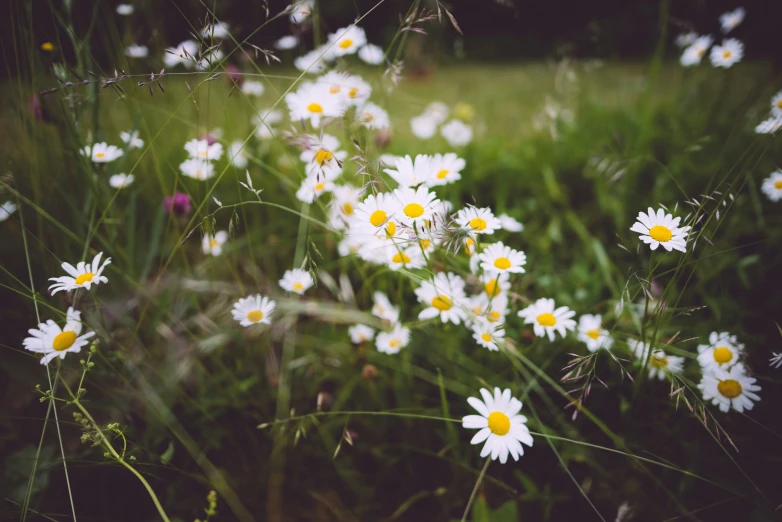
{"x": 486, "y": 337}
{"x": 213, "y": 243}
{"x": 368, "y": 117}
{"x": 393, "y": 343}
{"x": 346, "y": 43}
{"x": 322, "y": 156}
{"x": 298, "y": 286}
{"x": 503, "y": 263}
{"x": 84, "y": 278}
{"x": 100, "y": 154}
{"x": 729, "y": 388}
{"x": 413, "y": 210}
{"x": 204, "y": 153}
{"x": 334, "y": 89}
{"x": 499, "y": 423}
{"x": 353, "y": 92}
{"x": 47, "y": 46}
{"x": 493, "y": 316}
{"x": 347, "y": 209}
{"x": 425, "y": 243}
{"x": 722, "y": 355}
{"x": 400, "y": 257}
{"x": 547, "y": 319}
{"x": 778, "y": 184}
{"x": 477, "y": 224}
{"x": 659, "y": 362}
{"x": 727, "y": 54}
{"x": 442, "y": 303}
{"x": 701, "y": 52}
{"x": 377, "y": 218}
{"x": 315, "y": 107}
{"x": 779, "y": 103}
{"x": 320, "y": 186}
{"x": 594, "y": 334}
{"x": 441, "y": 174}
{"x": 391, "y": 229}
{"x": 63, "y": 341}
{"x": 492, "y": 288}
{"x": 254, "y": 316}
{"x": 660, "y": 233}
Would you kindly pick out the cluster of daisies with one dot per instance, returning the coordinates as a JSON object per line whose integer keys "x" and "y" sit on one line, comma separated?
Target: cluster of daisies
{"x": 724, "y": 55}
{"x": 773, "y": 123}
{"x": 103, "y": 153}
{"x": 456, "y": 132}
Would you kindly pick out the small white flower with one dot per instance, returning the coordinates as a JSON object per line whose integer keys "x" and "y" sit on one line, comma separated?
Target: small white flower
{"x": 772, "y": 186}
{"x": 197, "y": 169}
{"x": 661, "y": 229}
{"x": 253, "y": 309}
{"x": 730, "y": 52}
{"x": 200, "y": 149}
{"x": 264, "y": 121}
{"x": 371, "y": 54}
{"x": 638, "y": 348}
{"x": 445, "y": 168}
{"x": 132, "y": 139}
{"x": 443, "y": 297}
{"x": 498, "y": 258}
{"x": 377, "y": 210}
{"x": 478, "y": 220}
{"x": 776, "y": 104}
{"x": 409, "y": 172}
{"x": 102, "y": 152}
{"x": 213, "y": 244}
{"x": 287, "y": 42}
{"x": 437, "y": 111}
{"x": 185, "y": 53}
{"x": 296, "y": 280}
{"x": 312, "y": 187}
{"x": 119, "y": 181}
{"x": 414, "y": 206}
{"x": 732, "y": 19}
{"x": 343, "y": 205}
{"x": 219, "y": 31}
{"x": 302, "y": 9}
{"x": 693, "y": 54}
{"x": 495, "y": 284}
{"x": 313, "y": 102}
{"x": 729, "y": 388}
{"x": 487, "y": 336}
{"x": 546, "y": 320}
{"x": 510, "y": 224}
{"x": 423, "y": 127}
{"x": 136, "y": 51}
{"x": 313, "y": 62}
{"x": 723, "y": 351}
{"x": 347, "y": 40}
{"x": 6, "y": 209}
{"x": 393, "y": 341}
{"x": 383, "y": 308}
{"x": 372, "y": 116}
{"x": 322, "y": 156}
{"x": 660, "y": 363}
{"x": 686, "y": 39}
{"x": 125, "y": 9}
{"x": 253, "y": 88}
{"x": 456, "y": 133}
{"x": 83, "y": 275}
{"x": 770, "y": 126}
{"x": 592, "y": 333}
{"x": 487, "y": 309}
{"x": 398, "y": 257}
{"x": 51, "y": 341}
{"x": 500, "y": 425}
{"x": 360, "y": 333}
{"x": 237, "y": 154}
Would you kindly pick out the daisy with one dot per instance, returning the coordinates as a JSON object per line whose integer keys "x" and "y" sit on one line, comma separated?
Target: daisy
{"x": 197, "y": 169}
{"x": 322, "y": 155}
{"x": 360, "y": 333}
{"x": 686, "y": 39}
{"x": 638, "y": 348}
{"x": 393, "y": 341}
{"x": 6, "y": 209}
{"x": 343, "y": 206}
{"x": 730, "y": 52}
{"x": 51, "y": 341}
{"x": 500, "y": 425}
{"x": 456, "y": 133}
{"x": 377, "y": 211}
{"x": 772, "y": 186}
{"x": 660, "y": 363}
{"x": 125, "y": 9}
{"x": 732, "y": 19}
{"x": 253, "y": 88}
{"x": 445, "y": 168}
{"x": 83, "y": 275}
{"x": 300, "y": 11}
{"x": 661, "y": 229}
{"x": 312, "y": 187}
{"x": 237, "y": 154}
{"x": 510, "y": 224}
{"x": 252, "y": 310}
{"x": 437, "y": 111}
{"x": 723, "y": 351}
{"x": 296, "y": 280}
{"x": 776, "y": 104}
{"x": 495, "y": 284}
{"x": 486, "y": 336}
{"x": 213, "y": 244}
{"x": 478, "y": 220}
{"x": 547, "y": 320}
{"x": 347, "y": 40}
{"x": 383, "y": 308}
{"x": 136, "y": 51}
{"x": 119, "y": 181}
{"x": 371, "y": 54}
{"x": 409, "y": 172}
{"x": 102, "y": 152}
{"x": 414, "y": 206}
{"x": 201, "y": 149}
{"x": 592, "y": 333}
{"x": 443, "y": 297}
{"x": 350, "y": 89}
{"x": 218, "y": 31}
{"x": 770, "y": 126}
{"x": 776, "y": 360}
{"x": 287, "y": 42}
{"x": 184, "y": 53}
{"x": 313, "y": 102}
{"x": 498, "y": 259}
{"x": 372, "y": 116}
{"x": 730, "y": 388}
{"x": 491, "y": 310}
{"x": 132, "y": 139}
{"x": 313, "y": 62}
{"x": 693, "y": 54}
{"x": 409, "y": 258}
{"x": 423, "y": 127}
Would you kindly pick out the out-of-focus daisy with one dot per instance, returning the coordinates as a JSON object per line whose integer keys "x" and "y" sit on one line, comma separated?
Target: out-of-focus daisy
{"x": 371, "y": 54}
{"x": 83, "y": 275}
{"x": 197, "y": 169}
{"x": 776, "y": 104}
{"x": 723, "y": 351}
{"x": 443, "y": 297}
{"x": 119, "y": 181}
{"x": 414, "y": 206}
{"x": 347, "y": 40}
{"x": 463, "y": 111}
{"x": 592, "y": 333}
{"x": 287, "y": 42}
{"x": 445, "y": 168}
{"x": 487, "y": 336}
{"x": 510, "y": 224}
{"x": 125, "y": 9}
{"x": 487, "y": 309}
{"x": 52, "y": 341}
{"x": 185, "y": 53}
{"x": 253, "y": 309}
{"x": 136, "y": 51}
{"x": 498, "y": 258}
{"x": 437, "y": 111}
{"x": 312, "y": 187}
{"x": 212, "y": 244}
{"x": 203, "y": 150}
{"x": 660, "y": 363}
{"x": 218, "y": 31}
{"x": 495, "y": 284}
{"x": 372, "y": 116}
{"x": 393, "y": 341}
{"x": 730, "y": 52}
{"x": 237, "y": 154}
{"x": 6, "y": 209}
{"x": 132, "y": 139}
{"x": 102, "y": 152}
{"x": 661, "y": 229}
{"x": 686, "y": 39}
{"x": 693, "y": 54}
{"x": 456, "y": 133}
{"x": 296, "y": 280}
{"x": 423, "y": 127}
{"x": 638, "y": 348}
{"x": 301, "y": 10}
{"x": 478, "y": 220}
{"x": 343, "y": 205}
{"x": 313, "y": 102}
{"x": 357, "y": 91}
{"x": 411, "y": 173}
{"x": 383, "y": 308}
{"x": 770, "y": 126}
{"x": 313, "y": 62}
{"x": 500, "y": 425}
{"x": 253, "y": 88}
{"x": 728, "y": 389}
{"x": 397, "y": 256}
{"x": 772, "y": 186}
{"x": 776, "y": 360}
{"x": 730, "y": 20}
{"x": 546, "y": 320}
{"x": 360, "y": 333}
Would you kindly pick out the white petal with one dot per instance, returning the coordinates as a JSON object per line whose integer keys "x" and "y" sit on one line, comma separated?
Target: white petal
{"x": 481, "y": 436}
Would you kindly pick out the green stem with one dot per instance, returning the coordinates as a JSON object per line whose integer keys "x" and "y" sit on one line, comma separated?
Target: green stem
{"x": 475, "y": 489}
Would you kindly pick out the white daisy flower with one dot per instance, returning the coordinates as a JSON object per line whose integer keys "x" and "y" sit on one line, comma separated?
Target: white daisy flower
{"x": 371, "y": 54}
{"x": 776, "y": 360}
{"x": 592, "y": 333}
{"x": 253, "y": 309}
{"x": 125, "y": 9}
{"x": 445, "y": 168}
{"x": 313, "y": 102}
{"x": 478, "y": 220}
{"x": 546, "y": 320}
{"x": 360, "y": 333}
{"x": 6, "y": 209}
{"x": 264, "y": 121}
{"x": 132, "y": 139}
{"x": 237, "y": 154}
{"x": 693, "y": 54}
{"x": 409, "y": 173}
{"x": 377, "y": 211}
{"x": 102, "y": 152}
{"x": 510, "y": 224}
{"x": 373, "y": 116}
{"x": 313, "y": 62}
{"x": 312, "y": 187}
{"x": 185, "y": 53}
{"x": 350, "y": 89}
{"x": 500, "y": 425}
{"x": 343, "y": 205}
{"x": 200, "y": 149}
{"x": 253, "y": 88}
{"x": 730, "y": 20}
{"x": 296, "y": 280}
{"x": 393, "y": 341}
{"x": 414, "y": 206}
{"x": 487, "y": 336}
{"x": 638, "y": 348}
{"x": 409, "y": 258}
{"x": 383, "y": 308}
{"x": 772, "y": 186}
{"x": 347, "y": 40}
{"x": 83, "y": 275}
{"x": 51, "y": 341}
{"x": 444, "y": 298}
{"x": 218, "y": 31}
{"x": 119, "y": 181}
{"x": 322, "y": 155}
{"x": 437, "y": 111}
{"x": 456, "y": 133}
{"x": 660, "y": 363}
{"x": 730, "y": 52}
{"x": 423, "y": 127}
{"x": 661, "y": 229}
{"x": 770, "y": 126}
{"x": 491, "y": 310}
{"x": 495, "y": 284}
{"x": 136, "y": 51}
{"x": 686, "y": 39}
{"x": 776, "y": 104}
{"x": 731, "y": 388}
{"x": 498, "y": 258}
{"x": 197, "y": 169}
{"x": 212, "y": 244}
{"x": 287, "y": 42}
{"x": 301, "y": 10}
{"x": 388, "y": 160}
{"x": 723, "y": 351}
